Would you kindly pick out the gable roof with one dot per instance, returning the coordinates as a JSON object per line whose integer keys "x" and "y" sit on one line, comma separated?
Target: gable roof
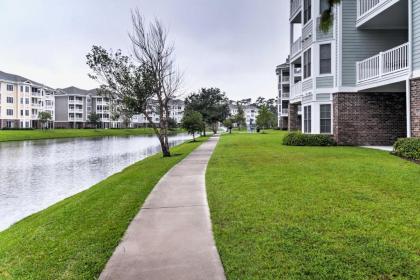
{"x": 16, "y": 78}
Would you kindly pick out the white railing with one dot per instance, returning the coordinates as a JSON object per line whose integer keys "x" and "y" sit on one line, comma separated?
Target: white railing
{"x": 365, "y": 6}
{"x": 296, "y": 46}
{"x": 285, "y": 95}
{"x": 295, "y": 5}
{"x": 299, "y": 109}
{"x": 296, "y": 90}
{"x": 285, "y": 79}
{"x": 384, "y": 63}
{"x": 284, "y": 111}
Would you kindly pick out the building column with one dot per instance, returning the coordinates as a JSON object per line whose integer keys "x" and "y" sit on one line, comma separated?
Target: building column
{"x": 293, "y": 120}
{"x": 415, "y": 107}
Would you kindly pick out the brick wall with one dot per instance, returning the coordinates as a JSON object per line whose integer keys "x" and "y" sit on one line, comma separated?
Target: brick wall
{"x": 367, "y": 118}
{"x": 415, "y": 107}
{"x": 293, "y": 119}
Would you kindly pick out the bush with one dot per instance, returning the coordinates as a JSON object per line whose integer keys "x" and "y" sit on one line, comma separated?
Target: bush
{"x": 300, "y": 139}
{"x": 16, "y": 128}
{"x": 408, "y": 148}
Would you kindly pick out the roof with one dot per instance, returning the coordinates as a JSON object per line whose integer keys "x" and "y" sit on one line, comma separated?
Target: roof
{"x": 17, "y": 79}
{"x": 72, "y": 90}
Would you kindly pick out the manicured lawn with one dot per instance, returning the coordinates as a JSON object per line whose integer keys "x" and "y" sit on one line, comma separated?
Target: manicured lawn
{"x": 19, "y": 135}
{"x": 313, "y": 213}
{"x": 74, "y": 238}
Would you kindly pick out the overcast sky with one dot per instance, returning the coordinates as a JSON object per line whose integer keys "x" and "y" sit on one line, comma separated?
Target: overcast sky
{"x": 231, "y": 44}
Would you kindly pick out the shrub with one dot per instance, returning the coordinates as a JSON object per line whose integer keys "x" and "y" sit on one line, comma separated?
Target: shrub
{"x": 300, "y": 139}
{"x": 408, "y": 148}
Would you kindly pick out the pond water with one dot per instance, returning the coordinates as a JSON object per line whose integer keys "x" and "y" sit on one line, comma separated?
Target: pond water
{"x": 37, "y": 174}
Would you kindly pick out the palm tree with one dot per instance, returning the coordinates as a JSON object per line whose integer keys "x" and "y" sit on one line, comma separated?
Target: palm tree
{"x": 327, "y": 16}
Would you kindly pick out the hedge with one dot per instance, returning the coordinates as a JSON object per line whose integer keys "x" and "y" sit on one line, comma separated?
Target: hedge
{"x": 408, "y": 148}
{"x": 300, "y": 139}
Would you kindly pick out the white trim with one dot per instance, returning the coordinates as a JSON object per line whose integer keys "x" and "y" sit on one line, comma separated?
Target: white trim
{"x": 408, "y": 106}
{"x": 376, "y": 10}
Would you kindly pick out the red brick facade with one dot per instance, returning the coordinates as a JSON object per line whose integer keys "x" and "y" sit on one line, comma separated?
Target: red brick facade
{"x": 367, "y": 118}
{"x": 415, "y": 107}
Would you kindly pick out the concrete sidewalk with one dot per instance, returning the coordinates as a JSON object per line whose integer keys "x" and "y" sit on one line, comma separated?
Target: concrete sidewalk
{"x": 171, "y": 237}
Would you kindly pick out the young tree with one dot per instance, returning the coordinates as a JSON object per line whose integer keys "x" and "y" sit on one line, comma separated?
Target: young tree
{"x": 94, "y": 119}
{"x": 172, "y": 124}
{"x": 240, "y": 118}
{"x": 193, "y": 122}
{"x": 211, "y": 103}
{"x": 327, "y": 16}
{"x": 265, "y": 118}
{"x": 145, "y": 84}
{"x": 44, "y": 118}
{"x": 228, "y": 123}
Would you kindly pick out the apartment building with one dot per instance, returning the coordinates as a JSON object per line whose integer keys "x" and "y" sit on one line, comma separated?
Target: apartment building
{"x": 21, "y": 101}
{"x": 250, "y": 112}
{"x": 360, "y": 80}
{"x": 74, "y": 105}
{"x": 176, "y": 112}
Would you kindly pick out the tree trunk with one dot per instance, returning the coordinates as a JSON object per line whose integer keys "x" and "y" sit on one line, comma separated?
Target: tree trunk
{"x": 204, "y": 131}
{"x": 193, "y": 136}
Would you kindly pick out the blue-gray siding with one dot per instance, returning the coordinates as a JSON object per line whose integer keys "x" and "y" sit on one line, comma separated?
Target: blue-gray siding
{"x": 416, "y": 34}
{"x": 61, "y": 108}
{"x": 359, "y": 44}
{"x": 325, "y": 82}
{"x": 307, "y": 35}
{"x": 307, "y": 85}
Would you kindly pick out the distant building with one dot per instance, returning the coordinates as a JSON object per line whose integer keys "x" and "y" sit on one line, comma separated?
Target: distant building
{"x": 176, "y": 112}
{"x": 250, "y": 111}
{"x": 21, "y": 100}
{"x": 74, "y": 105}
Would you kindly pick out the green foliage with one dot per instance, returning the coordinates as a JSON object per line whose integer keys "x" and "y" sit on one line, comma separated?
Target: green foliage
{"x": 300, "y": 139}
{"x": 44, "y": 116}
{"x": 211, "y": 103}
{"x": 282, "y": 212}
{"x": 265, "y": 118}
{"x": 74, "y": 238}
{"x": 408, "y": 148}
{"x": 193, "y": 122}
{"x": 327, "y": 17}
{"x": 239, "y": 119}
{"x": 172, "y": 124}
{"x": 228, "y": 123}
{"x": 94, "y": 119}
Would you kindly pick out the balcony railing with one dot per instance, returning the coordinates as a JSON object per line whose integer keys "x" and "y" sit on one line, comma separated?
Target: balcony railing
{"x": 384, "y": 63}
{"x": 285, "y": 111}
{"x": 295, "y": 5}
{"x": 296, "y": 90}
{"x": 285, "y": 79}
{"x": 300, "y": 109}
{"x": 296, "y": 46}
{"x": 365, "y": 6}
{"x": 285, "y": 95}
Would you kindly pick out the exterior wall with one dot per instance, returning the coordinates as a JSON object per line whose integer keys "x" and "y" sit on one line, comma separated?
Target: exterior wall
{"x": 325, "y": 82}
{"x": 61, "y": 108}
{"x": 294, "y": 122}
{"x": 307, "y": 35}
{"x": 307, "y": 85}
{"x": 416, "y": 34}
{"x": 359, "y": 44}
{"x": 415, "y": 107}
{"x": 369, "y": 118}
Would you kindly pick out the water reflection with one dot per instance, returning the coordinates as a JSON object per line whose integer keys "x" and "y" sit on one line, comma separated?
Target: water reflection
{"x": 37, "y": 174}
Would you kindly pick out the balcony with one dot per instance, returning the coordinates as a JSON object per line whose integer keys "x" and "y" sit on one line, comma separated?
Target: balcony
{"x": 383, "y": 66}
{"x": 285, "y": 111}
{"x": 285, "y": 95}
{"x": 296, "y": 90}
{"x": 296, "y": 47}
{"x": 382, "y": 14}
{"x": 300, "y": 110}
{"x": 295, "y": 6}
{"x": 285, "y": 79}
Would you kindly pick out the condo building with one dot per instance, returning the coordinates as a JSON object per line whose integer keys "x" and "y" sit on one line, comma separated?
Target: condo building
{"x": 74, "y": 105}
{"x": 359, "y": 81}
{"x": 250, "y": 112}
{"x": 176, "y": 112}
{"x": 21, "y": 101}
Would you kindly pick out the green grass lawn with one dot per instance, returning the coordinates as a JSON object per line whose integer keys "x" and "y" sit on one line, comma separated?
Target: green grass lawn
{"x": 19, "y": 135}
{"x": 283, "y": 212}
{"x": 74, "y": 238}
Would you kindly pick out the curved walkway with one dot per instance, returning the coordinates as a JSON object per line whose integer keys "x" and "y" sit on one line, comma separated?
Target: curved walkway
{"x": 171, "y": 237}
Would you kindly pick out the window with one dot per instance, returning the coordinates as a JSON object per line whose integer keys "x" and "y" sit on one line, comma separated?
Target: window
{"x": 21, "y": 112}
{"x": 323, "y": 6}
{"x": 26, "y": 89}
{"x": 9, "y": 87}
{"x": 307, "y": 64}
{"x": 325, "y": 59}
{"x": 307, "y": 111}
{"x": 26, "y": 112}
{"x": 27, "y": 101}
{"x": 307, "y": 11}
{"x": 9, "y": 99}
{"x": 325, "y": 120}
{"x": 21, "y": 88}
{"x": 9, "y": 112}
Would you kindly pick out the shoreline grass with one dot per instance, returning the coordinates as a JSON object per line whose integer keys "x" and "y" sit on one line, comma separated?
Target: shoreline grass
{"x": 74, "y": 238}
{"x": 282, "y": 212}
{"x": 22, "y": 135}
